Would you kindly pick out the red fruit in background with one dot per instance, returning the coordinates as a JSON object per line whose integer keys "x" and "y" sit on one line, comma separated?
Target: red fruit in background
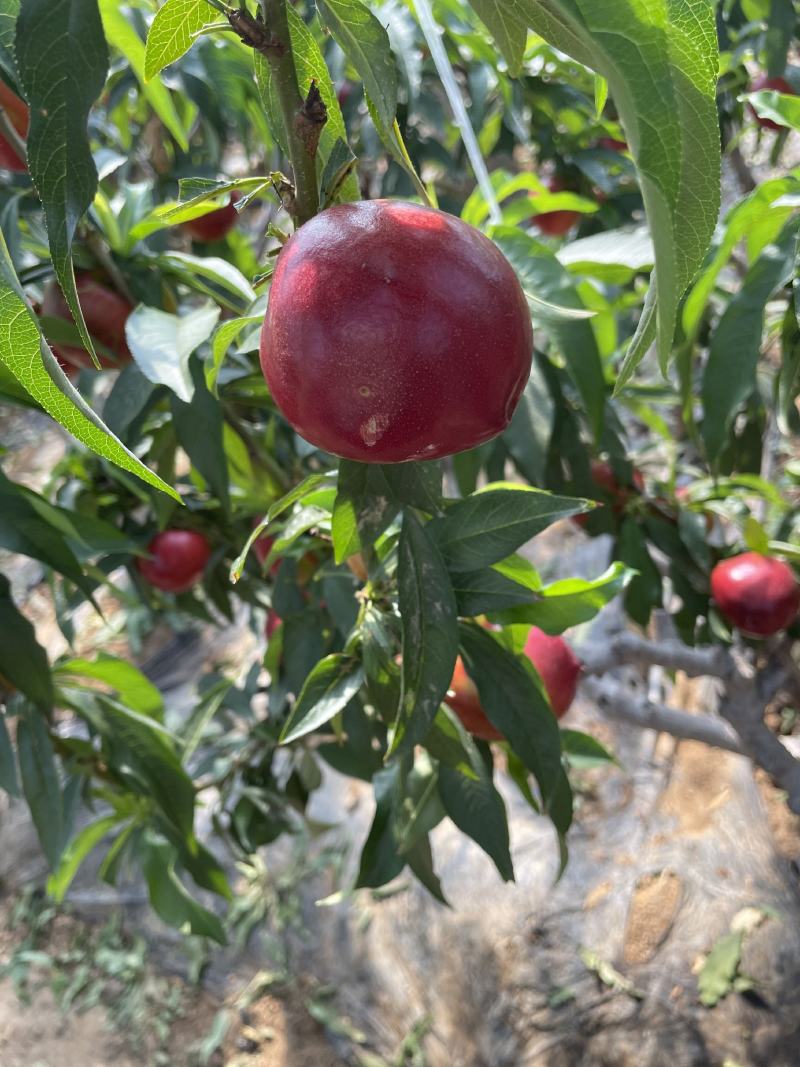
{"x": 395, "y": 332}
{"x": 604, "y": 478}
{"x": 778, "y": 85}
{"x": 612, "y": 144}
{"x": 105, "y": 313}
{"x": 216, "y": 224}
{"x": 462, "y": 697}
{"x": 558, "y": 666}
{"x": 273, "y": 622}
{"x": 17, "y": 112}
{"x": 178, "y": 559}
{"x": 556, "y": 223}
{"x": 757, "y": 594}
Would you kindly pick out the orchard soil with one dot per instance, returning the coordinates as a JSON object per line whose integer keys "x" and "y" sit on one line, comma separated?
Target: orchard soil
{"x": 668, "y": 849}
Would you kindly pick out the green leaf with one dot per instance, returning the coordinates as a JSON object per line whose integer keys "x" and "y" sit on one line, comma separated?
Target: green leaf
{"x": 449, "y": 743}
{"x": 199, "y": 426}
{"x": 311, "y": 66}
{"x": 224, "y": 337}
{"x": 543, "y": 275}
{"x": 365, "y": 506}
{"x": 781, "y": 27}
{"x": 528, "y": 436}
{"x": 168, "y": 897}
{"x": 8, "y": 764}
{"x": 660, "y": 59}
{"x": 211, "y": 276}
{"x": 487, "y": 591}
{"x": 718, "y": 974}
{"x": 730, "y": 373}
{"x": 494, "y": 522}
{"x": 509, "y": 29}
{"x": 162, "y": 343}
{"x": 645, "y": 591}
{"x": 380, "y": 861}
{"x": 9, "y": 10}
{"x": 782, "y": 108}
{"x": 584, "y": 751}
{"x": 62, "y": 60}
{"x": 477, "y": 809}
{"x": 329, "y": 688}
{"x": 207, "y": 707}
{"x": 420, "y": 860}
{"x": 570, "y": 602}
{"x": 151, "y": 753}
{"x": 76, "y": 852}
{"x": 122, "y": 35}
{"x": 171, "y": 32}
{"x": 23, "y": 661}
{"x": 365, "y": 42}
{"x": 25, "y": 355}
{"x": 430, "y": 638}
{"x": 130, "y": 685}
{"x": 614, "y": 256}
{"x": 40, "y": 783}
{"x": 515, "y": 704}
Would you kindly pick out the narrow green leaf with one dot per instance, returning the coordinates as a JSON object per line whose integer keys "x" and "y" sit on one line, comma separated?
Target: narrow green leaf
{"x": 365, "y": 42}
{"x": 172, "y": 31}
{"x": 584, "y": 751}
{"x": 328, "y": 689}
{"x": 660, "y": 58}
{"x": 515, "y": 704}
{"x": 224, "y": 336}
{"x": 509, "y": 29}
{"x": 485, "y": 591}
{"x": 23, "y": 661}
{"x": 168, "y": 897}
{"x": 730, "y": 374}
{"x": 40, "y": 783}
{"x": 430, "y": 638}
{"x": 570, "y": 602}
{"x": 477, "y": 809}
{"x": 131, "y": 686}
{"x": 420, "y": 860}
{"x": 122, "y": 35}
{"x": 26, "y": 356}
{"x": 494, "y": 522}
{"x": 76, "y": 852}
{"x": 380, "y": 861}
{"x": 199, "y": 426}
{"x": 62, "y": 60}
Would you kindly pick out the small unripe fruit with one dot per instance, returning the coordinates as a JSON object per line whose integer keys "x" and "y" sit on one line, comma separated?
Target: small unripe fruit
{"x": 558, "y": 667}
{"x": 105, "y": 313}
{"x": 556, "y": 223}
{"x": 395, "y": 332}
{"x": 17, "y": 112}
{"x": 757, "y": 594}
{"x": 216, "y": 224}
{"x": 177, "y": 560}
{"x": 777, "y": 85}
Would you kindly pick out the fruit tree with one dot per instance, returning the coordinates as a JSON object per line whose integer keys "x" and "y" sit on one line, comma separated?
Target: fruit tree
{"x": 341, "y": 304}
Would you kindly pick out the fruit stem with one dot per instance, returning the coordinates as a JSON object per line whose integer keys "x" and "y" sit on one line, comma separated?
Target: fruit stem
{"x": 302, "y": 148}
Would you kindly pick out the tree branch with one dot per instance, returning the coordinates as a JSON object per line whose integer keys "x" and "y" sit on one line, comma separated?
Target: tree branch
{"x": 616, "y": 703}
{"x": 629, "y": 648}
{"x": 302, "y": 119}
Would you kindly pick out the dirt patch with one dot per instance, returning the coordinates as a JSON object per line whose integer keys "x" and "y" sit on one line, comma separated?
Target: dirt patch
{"x": 653, "y": 908}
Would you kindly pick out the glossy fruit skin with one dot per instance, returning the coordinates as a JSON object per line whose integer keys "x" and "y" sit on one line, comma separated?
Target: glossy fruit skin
{"x": 604, "y": 478}
{"x": 558, "y": 667}
{"x": 216, "y": 224}
{"x": 105, "y": 313}
{"x": 556, "y": 223}
{"x": 757, "y": 594}
{"x": 17, "y": 111}
{"x": 178, "y": 559}
{"x": 778, "y": 85}
{"x": 395, "y": 332}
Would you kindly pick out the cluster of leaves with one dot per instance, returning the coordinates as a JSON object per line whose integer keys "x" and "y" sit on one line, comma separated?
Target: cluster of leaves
{"x": 377, "y": 578}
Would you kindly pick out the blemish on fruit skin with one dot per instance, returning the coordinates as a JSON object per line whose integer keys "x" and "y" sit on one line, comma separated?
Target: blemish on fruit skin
{"x": 364, "y": 390}
{"x": 373, "y": 428}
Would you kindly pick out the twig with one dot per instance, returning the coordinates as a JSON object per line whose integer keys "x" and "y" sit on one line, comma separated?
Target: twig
{"x": 303, "y": 119}
{"x": 616, "y": 703}
{"x": 628, "y": 648}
